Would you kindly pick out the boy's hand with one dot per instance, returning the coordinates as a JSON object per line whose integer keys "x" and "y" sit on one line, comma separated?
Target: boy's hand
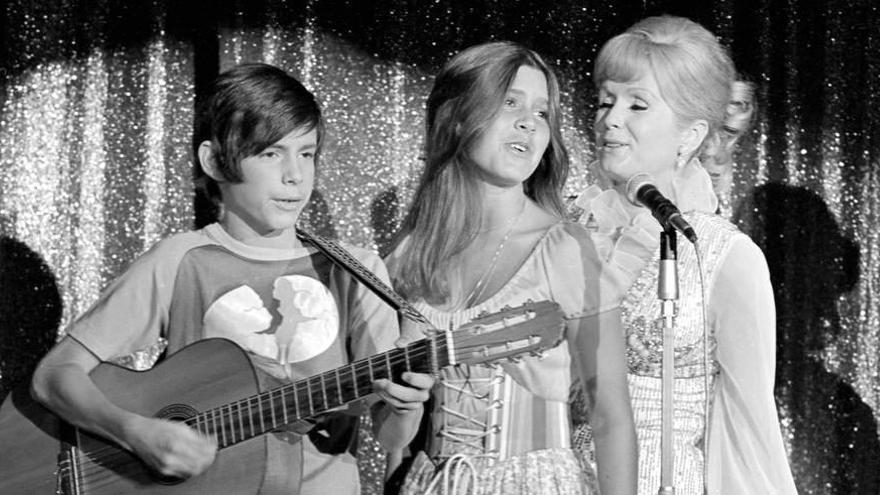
{"x": 170, "y": 448}
{"x": 402, "y": 398}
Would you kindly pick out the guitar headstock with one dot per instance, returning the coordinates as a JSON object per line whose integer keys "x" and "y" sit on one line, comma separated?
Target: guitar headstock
{"x": 512, "y": 332}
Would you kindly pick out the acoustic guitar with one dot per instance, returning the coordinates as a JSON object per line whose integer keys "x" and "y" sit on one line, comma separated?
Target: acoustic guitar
{"x": 213, "y": 387}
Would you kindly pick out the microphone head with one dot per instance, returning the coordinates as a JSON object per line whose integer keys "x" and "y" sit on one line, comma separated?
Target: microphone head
{"x": 636, "y": 182}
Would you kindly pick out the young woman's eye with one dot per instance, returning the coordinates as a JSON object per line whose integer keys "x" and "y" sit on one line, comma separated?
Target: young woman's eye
{"x": 269, "y": 154}
{"x": 638, "y": 106}
{"x": 510, "y": 102}
{"x": 543, "y": 114}
{"x": 310, "y": 155}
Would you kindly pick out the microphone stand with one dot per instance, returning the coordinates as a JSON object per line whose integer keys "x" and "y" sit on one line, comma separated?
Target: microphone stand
{"x": 667, "y": 293}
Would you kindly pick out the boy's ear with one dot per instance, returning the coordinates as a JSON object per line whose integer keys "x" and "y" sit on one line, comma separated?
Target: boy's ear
{"x": 208, "y": 161}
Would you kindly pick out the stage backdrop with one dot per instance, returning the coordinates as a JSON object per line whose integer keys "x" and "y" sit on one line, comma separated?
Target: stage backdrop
{"x": 97, "y": 104}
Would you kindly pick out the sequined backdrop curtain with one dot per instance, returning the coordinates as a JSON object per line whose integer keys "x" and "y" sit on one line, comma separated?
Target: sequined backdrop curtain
{"x": 94, "y": 158}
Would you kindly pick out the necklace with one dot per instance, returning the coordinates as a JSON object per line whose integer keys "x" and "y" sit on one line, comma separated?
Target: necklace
{"x": 477, "y": 291}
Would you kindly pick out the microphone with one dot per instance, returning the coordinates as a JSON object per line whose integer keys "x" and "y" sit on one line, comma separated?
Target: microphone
{"x": 640, "y": 190}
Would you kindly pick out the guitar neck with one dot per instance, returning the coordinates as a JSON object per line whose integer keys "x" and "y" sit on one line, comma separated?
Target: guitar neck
{"x": 303, "y": 399}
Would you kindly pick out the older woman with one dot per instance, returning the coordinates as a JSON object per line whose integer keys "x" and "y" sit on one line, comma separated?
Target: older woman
{"x": 664, "y": 90}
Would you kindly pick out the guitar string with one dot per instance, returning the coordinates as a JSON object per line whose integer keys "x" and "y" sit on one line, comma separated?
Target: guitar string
{"x": 226, "y": 418}
{"x": 119, "y": 461}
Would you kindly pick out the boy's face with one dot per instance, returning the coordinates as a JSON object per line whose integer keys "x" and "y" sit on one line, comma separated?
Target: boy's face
{"x": 275, "y": 187}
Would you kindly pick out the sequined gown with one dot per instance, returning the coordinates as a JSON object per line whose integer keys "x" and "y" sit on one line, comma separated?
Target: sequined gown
{"x": 746, "y": 454}
{"x": 507, "y": 428}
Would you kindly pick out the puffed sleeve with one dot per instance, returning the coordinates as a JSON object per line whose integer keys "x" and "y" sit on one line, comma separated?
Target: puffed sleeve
{"x": 568, "y": 272}
{"x": 746, "y": 452}
{"x": 575, "y": 274}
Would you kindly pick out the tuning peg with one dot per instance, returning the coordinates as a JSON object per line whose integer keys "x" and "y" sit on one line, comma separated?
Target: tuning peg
{"x": 514, "y": 359}
{"x": 538, "y": 354}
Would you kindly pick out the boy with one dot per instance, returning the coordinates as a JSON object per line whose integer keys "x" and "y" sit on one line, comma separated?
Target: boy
{"x": 248, "y": 279}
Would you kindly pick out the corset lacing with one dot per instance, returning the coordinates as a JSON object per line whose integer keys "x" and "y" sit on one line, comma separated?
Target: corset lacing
{"x": 462, "y": 438}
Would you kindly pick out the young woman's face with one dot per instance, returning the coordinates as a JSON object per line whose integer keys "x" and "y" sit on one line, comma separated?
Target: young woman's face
{"x": 510, "y": 149}
{"x": 275, "y": 187}
{"x": 635, "y": 130}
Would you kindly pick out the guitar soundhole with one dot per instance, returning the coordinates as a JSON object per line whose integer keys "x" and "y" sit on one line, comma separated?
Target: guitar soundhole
{"x": 176, "y": 412}
{"x": 173, "y": 412}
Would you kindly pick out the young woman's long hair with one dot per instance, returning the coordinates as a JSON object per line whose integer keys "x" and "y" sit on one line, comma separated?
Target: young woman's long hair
{"x": 445, "y": 213}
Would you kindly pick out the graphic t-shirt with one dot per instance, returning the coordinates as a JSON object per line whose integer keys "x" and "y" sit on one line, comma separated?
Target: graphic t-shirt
{"x": 294, "y": 311}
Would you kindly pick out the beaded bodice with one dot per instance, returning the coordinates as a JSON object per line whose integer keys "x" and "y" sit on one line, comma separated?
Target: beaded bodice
{"x": 640, "y": 307}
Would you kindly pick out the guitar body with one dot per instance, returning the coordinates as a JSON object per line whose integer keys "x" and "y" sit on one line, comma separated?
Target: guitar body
{"x": 214, "y": 387}
{"x": 204, "y": 375}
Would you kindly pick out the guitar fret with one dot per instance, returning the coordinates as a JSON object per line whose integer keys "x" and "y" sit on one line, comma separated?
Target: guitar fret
{"x": 406, "y": 359}
{"x": 309, "y": 395}
{"x": 227, "y": 422}
{"x": 324, "y": 392}
{"x": 354, "y": 380}
{"x": 284, "y": 405}
{"x": 272, "y": 410}
{"x": 236, "y": 435}
{"x": 251, "y": 416}
{"x": 218, "y": 422}
{"x": 209, "y": 422}
{"x": 388, "y": 365}
{"x": 298, "y": 412}
{"x": 338, "y": 387}
{"x": 260, "y": 407}
{"x": 240, "y": 422}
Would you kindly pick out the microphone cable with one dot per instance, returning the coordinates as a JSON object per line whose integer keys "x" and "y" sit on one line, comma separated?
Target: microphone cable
{"x": 707, "y": 401}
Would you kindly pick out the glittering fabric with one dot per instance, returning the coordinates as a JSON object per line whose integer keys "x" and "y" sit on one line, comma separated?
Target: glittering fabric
{"x": 557, "y": 471}
{"x": 96, "y": 115}
{"x": 639, "y": 311}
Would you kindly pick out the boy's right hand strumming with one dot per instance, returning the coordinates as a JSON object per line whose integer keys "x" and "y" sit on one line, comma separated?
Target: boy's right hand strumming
{"x": 170, "y": 448}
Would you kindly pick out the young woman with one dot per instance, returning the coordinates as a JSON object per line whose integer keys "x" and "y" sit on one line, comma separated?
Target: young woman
{"x": 485, "y": 231}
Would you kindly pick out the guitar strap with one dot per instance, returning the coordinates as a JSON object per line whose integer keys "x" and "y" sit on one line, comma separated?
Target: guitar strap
{"x": 349, "y": 263}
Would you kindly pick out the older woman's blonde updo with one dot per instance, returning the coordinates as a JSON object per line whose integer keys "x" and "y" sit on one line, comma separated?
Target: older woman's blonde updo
{"x": 694, "y": 72}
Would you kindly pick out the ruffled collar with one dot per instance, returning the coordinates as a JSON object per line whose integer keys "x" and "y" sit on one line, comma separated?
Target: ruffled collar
{"x": 604, "y": 206}
{"x": 692, "y": 189}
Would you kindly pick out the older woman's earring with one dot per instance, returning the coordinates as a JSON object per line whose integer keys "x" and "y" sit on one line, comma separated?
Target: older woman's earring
{"x": 680, "y": 160}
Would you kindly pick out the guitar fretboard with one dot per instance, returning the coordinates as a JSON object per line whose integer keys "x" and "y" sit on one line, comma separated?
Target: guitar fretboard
{"x": 304, "y": 399}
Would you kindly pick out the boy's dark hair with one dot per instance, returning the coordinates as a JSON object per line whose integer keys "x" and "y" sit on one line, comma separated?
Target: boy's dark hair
{"x": 246, "y": 109}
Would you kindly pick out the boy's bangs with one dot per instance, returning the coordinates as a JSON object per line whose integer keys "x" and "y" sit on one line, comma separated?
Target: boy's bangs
{"x": 272, "y": 128}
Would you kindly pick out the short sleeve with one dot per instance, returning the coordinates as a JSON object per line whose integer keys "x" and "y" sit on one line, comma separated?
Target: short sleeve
{"x": 133, "y": 311}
